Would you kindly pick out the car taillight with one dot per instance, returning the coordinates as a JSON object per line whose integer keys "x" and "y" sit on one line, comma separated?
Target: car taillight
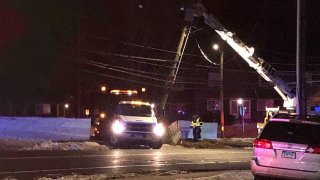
{"x": 262, "y": 143}
{"x": 313, "y": 149}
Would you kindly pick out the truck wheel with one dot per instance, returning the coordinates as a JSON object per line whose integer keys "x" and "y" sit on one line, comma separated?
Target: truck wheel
{"x": 156, "y": 144}
{"x": 113, "y": 141}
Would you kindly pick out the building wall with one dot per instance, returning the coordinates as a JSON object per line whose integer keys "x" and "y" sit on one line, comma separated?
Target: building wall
{"x": 255, "y": 109}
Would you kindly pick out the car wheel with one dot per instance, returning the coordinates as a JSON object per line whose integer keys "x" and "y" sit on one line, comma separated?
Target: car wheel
{"x": 156, "y": 144}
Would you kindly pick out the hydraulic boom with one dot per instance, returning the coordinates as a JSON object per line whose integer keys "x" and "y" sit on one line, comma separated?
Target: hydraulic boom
{"x": 247, "y": 53}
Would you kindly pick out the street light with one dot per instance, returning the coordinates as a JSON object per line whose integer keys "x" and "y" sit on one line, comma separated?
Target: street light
{"x": 103, "y": 88}
{"x": 241, "y": 112}
{"x": 66, "y": 106}
{"x": 240, "y": 101}
{"x": 216, "y": 47}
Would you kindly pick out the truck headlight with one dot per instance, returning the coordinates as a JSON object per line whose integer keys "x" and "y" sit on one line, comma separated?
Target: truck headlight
{"x": 159, "y": 129}
{"x": 117, "y": 127}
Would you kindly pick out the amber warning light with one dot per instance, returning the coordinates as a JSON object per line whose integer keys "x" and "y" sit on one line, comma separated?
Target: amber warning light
{"x": 125, "y": 92}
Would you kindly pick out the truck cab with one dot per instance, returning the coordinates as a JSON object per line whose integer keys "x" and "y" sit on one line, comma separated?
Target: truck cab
{"x": 134, "y": 123}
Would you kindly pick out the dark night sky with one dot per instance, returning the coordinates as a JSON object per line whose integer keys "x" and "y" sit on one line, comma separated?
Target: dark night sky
{"x": 43, "y": 44}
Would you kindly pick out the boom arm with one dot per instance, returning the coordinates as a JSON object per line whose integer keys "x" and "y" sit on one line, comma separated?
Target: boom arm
{"x": 263, "y": 68}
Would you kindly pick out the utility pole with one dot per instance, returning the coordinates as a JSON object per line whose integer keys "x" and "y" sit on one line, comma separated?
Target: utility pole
{"x": 78, "y": 80}
{"x": 175, "y": 66}
{"x": 216, "y": 47}
{"x": 221, "y": 94}
{"x": 301, "y": 107}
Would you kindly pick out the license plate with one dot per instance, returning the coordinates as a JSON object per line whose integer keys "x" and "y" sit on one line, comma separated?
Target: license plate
{"x": 288, "y": 154}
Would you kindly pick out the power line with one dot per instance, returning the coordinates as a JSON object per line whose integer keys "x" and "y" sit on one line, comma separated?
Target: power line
{"x": 178, "y": 82}
{"x": 130, "y": 73}
{"x": 104, "y": 54}
{"x": 120, "y": 78}
{"x": 147, "y": 47}
{"x": 203, "y": 54}
{"x": 130, "y": 56}
{"x": 130, "y": 80}
{"x": 130, "y": 69}
{"x": 205, "y": 67}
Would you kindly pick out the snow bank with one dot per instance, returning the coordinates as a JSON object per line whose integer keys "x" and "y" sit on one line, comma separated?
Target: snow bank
{"x": 40, "y": 128}
{"x": 234, "y": 175}
{"x": 20, "y": 145}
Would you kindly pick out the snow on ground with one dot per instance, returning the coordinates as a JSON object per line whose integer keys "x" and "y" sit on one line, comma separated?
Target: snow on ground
{"x": 250, "y": 140}
{"x": 20, "y": 145}
{"x": 223, "y": 175}
{"x": 23, "y": 144}
{"x": 234, "y": 175}
{"x": 11, "y": 144}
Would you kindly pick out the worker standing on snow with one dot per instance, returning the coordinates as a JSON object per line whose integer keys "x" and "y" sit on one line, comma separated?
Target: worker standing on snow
{"x": 196, "y": 126}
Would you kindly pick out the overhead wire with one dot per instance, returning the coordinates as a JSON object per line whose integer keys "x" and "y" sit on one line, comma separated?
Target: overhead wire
{"x": 157, "y": 84}
{"x": 126, "y": 72}
{"x": 120, "y": 78}
{"x": 203, "y": 54}
{"x": 153, "y": 64}
{"x": 134, "y": 74}
{"x": 102, "y": 65}
{"x": 148, "y": 47}
{"x": 205, "y": 67}
{"x": 130, "y": 69}
{"x": 130, "y": 56}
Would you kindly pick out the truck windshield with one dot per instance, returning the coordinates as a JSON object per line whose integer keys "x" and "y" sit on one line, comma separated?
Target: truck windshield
{"x": 134, "y": 110}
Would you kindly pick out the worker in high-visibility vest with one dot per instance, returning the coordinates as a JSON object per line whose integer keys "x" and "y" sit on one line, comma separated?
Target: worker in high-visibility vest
{"x": 196, "y": 127}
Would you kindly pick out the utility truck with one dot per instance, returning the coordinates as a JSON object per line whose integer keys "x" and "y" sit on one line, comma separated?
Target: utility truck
{"x": 131, "y": 123}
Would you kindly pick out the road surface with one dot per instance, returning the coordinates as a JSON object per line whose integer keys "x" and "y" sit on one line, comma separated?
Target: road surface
{"x": 31, "y": 164}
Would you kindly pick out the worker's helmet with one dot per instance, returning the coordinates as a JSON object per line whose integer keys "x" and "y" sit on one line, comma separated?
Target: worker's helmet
{"x": 195, "y": 115}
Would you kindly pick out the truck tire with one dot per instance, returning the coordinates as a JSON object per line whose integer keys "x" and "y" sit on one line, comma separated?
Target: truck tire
{"x": 113, "y": 141}
{"x": 156, "y": 144}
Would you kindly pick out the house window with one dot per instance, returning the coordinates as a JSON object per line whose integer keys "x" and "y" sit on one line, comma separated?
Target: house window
{"x": 213, "y": 104}
{"x": 262, "y": 104}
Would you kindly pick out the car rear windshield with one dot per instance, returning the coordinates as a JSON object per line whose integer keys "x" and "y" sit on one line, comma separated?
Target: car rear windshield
{"x": 292, "y": 133}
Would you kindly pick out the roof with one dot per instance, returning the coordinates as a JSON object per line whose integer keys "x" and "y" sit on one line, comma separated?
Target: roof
{"x": 312, "y": 119}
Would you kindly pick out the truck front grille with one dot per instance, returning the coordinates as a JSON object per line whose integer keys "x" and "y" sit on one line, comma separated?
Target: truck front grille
{"x": 139, "y": 127}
